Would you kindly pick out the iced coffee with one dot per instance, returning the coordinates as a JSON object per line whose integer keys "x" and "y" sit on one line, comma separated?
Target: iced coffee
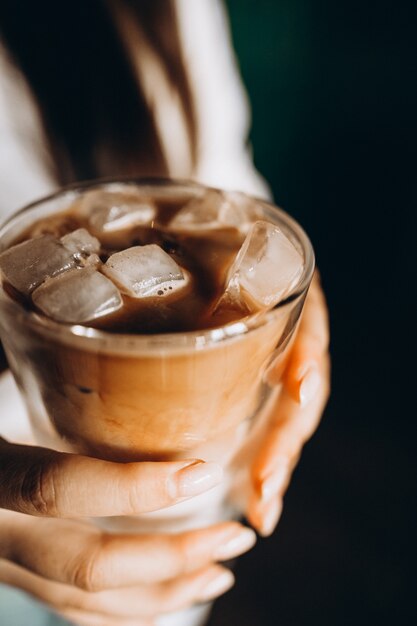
{"x": 139, "y": 318}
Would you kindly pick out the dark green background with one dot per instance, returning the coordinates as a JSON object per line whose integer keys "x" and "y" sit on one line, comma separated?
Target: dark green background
{"x": 333, "y": 87}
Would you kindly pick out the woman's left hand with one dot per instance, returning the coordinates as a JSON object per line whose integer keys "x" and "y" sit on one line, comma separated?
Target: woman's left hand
{"x": 296, "y": 416}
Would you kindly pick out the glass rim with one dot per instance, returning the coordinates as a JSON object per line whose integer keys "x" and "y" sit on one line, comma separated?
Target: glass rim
{"x": 131, "y": 342}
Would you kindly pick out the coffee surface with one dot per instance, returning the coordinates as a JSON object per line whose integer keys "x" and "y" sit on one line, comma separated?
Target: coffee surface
{"x": 205, "y": 256}
{"x": 129, "y": 261}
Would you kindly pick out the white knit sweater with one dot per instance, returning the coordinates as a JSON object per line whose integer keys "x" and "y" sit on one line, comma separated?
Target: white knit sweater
{"x": 222, "y": 112}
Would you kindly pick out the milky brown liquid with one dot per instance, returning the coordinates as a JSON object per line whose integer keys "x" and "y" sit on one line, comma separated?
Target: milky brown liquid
{"x": 106, "y": 398}
{"x": 206, "y": 257}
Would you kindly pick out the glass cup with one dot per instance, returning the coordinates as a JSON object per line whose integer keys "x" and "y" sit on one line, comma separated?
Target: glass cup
{"x": 199, "y": 394}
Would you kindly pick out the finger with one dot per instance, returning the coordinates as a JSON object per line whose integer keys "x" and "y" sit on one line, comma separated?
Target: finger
{"x": 63, "y": 599}
{"x": 42, "y": 482}
{"x": 301, "y": 376}
{"x": 93, "y": 560}
{"x": 290, "y": 427}
{"x": 271, "y": 471}
{"x": 156, "y": 599}
{"x": 266, "y": 515}
{"x": 55, "y": 595}
{"x": 159, "y": 558}
{"x": 143, "y": 601}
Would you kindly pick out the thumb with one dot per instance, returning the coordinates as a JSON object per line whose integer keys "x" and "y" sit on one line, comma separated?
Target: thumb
{"x": 42, "y": 482}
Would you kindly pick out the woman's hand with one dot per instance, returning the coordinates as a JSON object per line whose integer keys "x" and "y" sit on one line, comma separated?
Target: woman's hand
{"x": 92, "y": 577}
{"x": 297, "y": 414}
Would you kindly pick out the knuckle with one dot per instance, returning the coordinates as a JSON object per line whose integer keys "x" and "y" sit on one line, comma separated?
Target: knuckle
{"x": 133, "y": 488}
{"x": 38, "y": 489}
{"x": 134, "y": 501}
{"x": 89, "y": 571}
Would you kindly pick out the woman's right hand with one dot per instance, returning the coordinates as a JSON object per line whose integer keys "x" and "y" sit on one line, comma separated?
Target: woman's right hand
{"x": 95, "y": 578}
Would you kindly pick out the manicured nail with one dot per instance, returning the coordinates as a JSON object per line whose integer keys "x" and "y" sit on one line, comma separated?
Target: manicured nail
{"x": 196, "y": 478}
{"x": 271, "y": 518}
{"x": 239, "y": 542}
{"x": 309, "y": 386}
{"x": 274, "y": 483}
{"x": 218, "y": 584}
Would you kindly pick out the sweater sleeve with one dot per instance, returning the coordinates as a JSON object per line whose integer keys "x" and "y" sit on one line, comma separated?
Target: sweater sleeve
{"x": 25, "y": 172}
{"x": 222, "y": 109}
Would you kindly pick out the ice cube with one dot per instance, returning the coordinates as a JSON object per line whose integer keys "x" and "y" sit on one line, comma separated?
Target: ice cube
{"x": 112, "y": 211}
{"x": 245, "y": 209}
{"x": 77, "y": 297}
{"x": 144, "y": 271}
{"x": 266, "y": 268}
{"x": 26, "y": 265}
{"x": 216, "y": 210}
{"x": 81, "y": 243}
{"x": 93, "y": 260}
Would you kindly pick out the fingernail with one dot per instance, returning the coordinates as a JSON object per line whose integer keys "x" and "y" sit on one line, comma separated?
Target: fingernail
{"x": 271, "y": 518}
{"x": 220, "y": 583}
{"x": 240, "y": 542}
{"x": 274, "y": 483}
{"x": 197, "y": 478}
{"x": 309, "y": 386}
